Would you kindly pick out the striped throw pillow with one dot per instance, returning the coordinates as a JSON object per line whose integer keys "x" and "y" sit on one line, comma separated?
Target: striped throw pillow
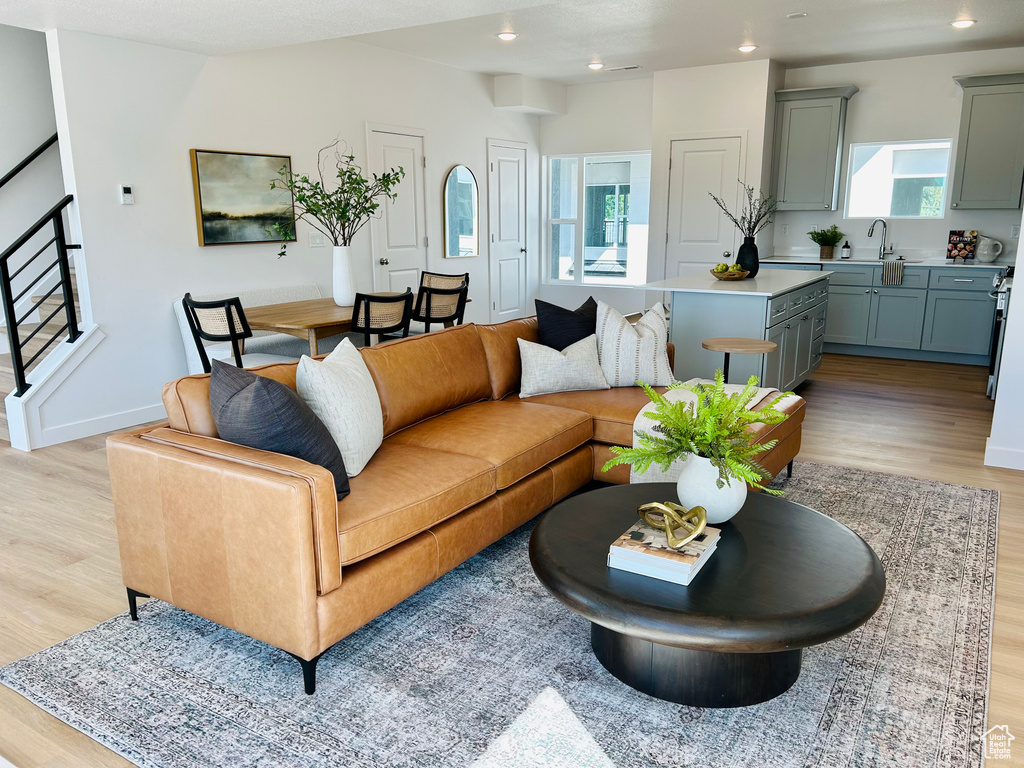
{"x": 631, "y": 353}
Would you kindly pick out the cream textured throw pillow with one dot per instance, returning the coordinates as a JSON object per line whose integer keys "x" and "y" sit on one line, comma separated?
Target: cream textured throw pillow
{"x": 341, "y": 393}
{"x": 547, "y": 370}
{"x": 632, "y": 353}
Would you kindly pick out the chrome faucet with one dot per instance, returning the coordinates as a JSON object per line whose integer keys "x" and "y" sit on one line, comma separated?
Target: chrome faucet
{"x": 882, "y": 252}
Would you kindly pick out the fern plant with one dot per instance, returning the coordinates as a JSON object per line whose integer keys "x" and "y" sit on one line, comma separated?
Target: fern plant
{"x": 714, "y": 426}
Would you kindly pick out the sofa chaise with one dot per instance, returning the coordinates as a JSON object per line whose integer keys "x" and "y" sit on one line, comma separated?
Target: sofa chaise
{"x": 258, "y": 542}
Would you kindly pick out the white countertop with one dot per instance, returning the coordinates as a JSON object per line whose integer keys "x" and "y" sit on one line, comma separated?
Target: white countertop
{"x": 924, "y": 263}
{"x": 769, "y": 282}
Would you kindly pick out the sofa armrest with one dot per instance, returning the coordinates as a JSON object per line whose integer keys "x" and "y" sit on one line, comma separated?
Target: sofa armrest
{"x": 243, "y": 537}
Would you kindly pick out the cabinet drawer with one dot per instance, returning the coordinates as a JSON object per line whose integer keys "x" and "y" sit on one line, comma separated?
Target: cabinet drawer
{"x": 961, "y": 279}
{"x": 912, "y": 278}
{"x": 818, "y": 315}
{"x": 778, "y": 309}
{"x": 851, "y": 274}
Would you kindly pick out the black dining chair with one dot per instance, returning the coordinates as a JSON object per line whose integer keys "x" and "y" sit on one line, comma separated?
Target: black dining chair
{"x": 377, "y": 314}
{"x": 441, "y": 299}
{"x": 218, "y": 321}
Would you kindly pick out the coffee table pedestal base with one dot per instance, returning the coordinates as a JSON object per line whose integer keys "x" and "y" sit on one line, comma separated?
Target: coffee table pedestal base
{"x": 695, "y": 678}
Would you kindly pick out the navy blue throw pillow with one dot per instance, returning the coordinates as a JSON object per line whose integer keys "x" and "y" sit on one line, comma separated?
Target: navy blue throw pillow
{"x": 261, "y": 413}
{"x": 558, "y": 327}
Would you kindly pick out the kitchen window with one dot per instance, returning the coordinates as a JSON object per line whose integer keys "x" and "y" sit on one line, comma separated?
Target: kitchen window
{"x": 597, "y": 218}
{"x": 900, "y": 180}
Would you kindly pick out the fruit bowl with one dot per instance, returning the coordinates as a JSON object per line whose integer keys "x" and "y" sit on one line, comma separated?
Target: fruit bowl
{"x": 730, "y": 275}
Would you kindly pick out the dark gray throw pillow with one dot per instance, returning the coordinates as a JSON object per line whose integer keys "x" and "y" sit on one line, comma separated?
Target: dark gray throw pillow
{"x": 558, "y": 327}
{"x": 258, "y": 412}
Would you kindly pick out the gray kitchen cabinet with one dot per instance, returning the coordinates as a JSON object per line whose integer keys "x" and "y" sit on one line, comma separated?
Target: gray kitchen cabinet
{"x": 989, "y": 169}
{"x": 849, "y": 312}
{"x": 773, "y": 375}
{"x": 896, "y": 317}
{"x": 958, "y": 321}
{"x": 809, "y": 126}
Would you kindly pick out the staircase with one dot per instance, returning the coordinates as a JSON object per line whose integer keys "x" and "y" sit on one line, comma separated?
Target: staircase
{"x": 39, "y": 302}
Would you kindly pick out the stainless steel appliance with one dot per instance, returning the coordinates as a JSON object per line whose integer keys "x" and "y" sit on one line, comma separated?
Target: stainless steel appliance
{"x": 1001, "y": 293}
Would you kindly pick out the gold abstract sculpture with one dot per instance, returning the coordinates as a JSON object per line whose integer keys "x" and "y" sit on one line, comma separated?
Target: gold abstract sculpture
{"x": 668, "y": 517}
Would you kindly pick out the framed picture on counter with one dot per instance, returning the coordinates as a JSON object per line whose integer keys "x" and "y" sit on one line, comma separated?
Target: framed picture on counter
{"x": 234, "y": 201}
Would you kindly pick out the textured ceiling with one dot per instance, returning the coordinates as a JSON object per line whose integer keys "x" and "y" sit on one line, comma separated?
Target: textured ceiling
{"x": 557, "y": 39}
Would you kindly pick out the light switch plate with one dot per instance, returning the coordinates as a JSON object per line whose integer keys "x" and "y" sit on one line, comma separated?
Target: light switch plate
{"x": 316, "y": 239}
{"x": 785, "y": 230}
{"x": 1015, "y": 232}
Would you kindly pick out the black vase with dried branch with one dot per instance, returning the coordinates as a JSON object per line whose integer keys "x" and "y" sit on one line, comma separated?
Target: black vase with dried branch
{"x": 757, "y": 214}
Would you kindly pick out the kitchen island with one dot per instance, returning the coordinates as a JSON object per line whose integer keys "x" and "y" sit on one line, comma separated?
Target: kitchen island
{"x": 788, "y": 307}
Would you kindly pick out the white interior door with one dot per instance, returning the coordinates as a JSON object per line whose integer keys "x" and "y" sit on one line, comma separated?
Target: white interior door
{"x": 506, "y": 194}
{"x": 698, "y": 232}
{"x": 399, "y": 233}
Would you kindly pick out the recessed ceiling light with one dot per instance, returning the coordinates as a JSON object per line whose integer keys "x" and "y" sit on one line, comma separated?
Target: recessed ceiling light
{"x": 596, "y": 65}
{"x": 797, "y": 15}
{"x": 747, "y": 48}
{"x": 507, "y": 36}
{"x": 963, "y": 23}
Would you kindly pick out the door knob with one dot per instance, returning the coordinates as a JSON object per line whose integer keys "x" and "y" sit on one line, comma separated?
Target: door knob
{"x": 727, "y": 254}
{"x": 384, "y": 262}
{"x": 522, "y": 250}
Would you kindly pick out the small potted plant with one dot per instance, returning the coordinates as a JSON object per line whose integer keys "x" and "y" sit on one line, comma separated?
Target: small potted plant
{"x": 757, "y": 214}
{"x": 338, "y": 213}
{"x": 827, "y": 240}
{"x": 708, "y": 433}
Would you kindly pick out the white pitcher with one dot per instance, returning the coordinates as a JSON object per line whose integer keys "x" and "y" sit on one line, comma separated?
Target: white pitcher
{"x": 987, "y": 249}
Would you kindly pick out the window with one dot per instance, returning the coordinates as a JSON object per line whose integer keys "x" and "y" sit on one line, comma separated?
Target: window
{"x": 597, "y": 224}
{"x": 898, "y": 180}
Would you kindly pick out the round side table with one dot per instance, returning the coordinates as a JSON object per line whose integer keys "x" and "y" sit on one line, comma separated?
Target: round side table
{"x": 730, "y": 344}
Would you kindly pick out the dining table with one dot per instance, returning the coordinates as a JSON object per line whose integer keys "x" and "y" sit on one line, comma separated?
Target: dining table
{"x": 310, "y": 319}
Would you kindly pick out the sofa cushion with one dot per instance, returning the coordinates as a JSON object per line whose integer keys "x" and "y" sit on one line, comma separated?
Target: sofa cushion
{"x": 559, "y": 327}
{"x": 501, "y": 343}
{"x": 516, "y": 438}
{"x": 261, "y": 413}
{"x": 423, "y": 376}
{"x": 614, "y": 411}
{"x": 404, "y": 490}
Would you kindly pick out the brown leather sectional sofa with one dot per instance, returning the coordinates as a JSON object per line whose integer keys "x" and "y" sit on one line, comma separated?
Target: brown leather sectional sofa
{"x": 257, "y": 542}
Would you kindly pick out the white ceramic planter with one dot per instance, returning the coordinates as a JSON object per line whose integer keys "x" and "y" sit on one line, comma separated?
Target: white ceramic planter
{"x": 344, "y": 278}
{"x": 698, "y": 487}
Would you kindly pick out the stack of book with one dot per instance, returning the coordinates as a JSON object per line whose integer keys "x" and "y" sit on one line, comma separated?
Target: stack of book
{"x": 645, "y": 550}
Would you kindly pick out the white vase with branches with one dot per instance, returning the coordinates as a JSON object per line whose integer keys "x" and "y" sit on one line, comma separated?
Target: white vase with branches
{"x": 338, "y": 212}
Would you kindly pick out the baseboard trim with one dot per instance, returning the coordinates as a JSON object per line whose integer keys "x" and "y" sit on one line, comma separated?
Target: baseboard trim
{"x": 998, "y": 456}
{"x": 107, "y": 423}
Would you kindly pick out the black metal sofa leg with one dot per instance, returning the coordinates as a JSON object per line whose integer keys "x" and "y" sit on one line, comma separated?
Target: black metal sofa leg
{"x": 133, "y": 608}
{"x": 308, "y": 671}
{"x": 789, "y": 469}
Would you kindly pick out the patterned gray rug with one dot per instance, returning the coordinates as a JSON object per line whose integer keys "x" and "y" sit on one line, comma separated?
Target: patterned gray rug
{"x": 485, "y": 667}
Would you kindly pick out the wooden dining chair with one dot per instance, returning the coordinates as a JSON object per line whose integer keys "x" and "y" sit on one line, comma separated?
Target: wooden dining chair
{"x": 441, "y": 299}
{"x": 376, "y": 314}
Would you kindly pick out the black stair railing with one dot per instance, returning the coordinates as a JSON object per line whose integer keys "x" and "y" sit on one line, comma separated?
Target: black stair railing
{"x": 28, "y": 160}
{"x": 12, "y": 295}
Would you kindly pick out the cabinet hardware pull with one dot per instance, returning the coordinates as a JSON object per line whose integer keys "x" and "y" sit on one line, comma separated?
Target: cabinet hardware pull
{"x": 787, "y": 325}
{"x": 806, "y": 317}
{"x": 867, "y": 290}
{"x": 876, "y": 290}
{"x": 963, "y": 279}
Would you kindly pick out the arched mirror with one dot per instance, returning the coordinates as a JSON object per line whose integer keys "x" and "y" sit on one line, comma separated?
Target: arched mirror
{"x": 461, "y": 214}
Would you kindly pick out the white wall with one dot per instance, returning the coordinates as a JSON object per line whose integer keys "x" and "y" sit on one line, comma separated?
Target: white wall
{"x": 26, "y": 120}
{"x": 707, "y": 101}
{"x": 129, "y": 113}
{"x": 600, "y": 117}
{"x": 902, "y": 99}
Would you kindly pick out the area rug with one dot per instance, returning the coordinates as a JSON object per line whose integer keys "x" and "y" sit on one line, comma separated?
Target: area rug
{"x": 484, "y": 667}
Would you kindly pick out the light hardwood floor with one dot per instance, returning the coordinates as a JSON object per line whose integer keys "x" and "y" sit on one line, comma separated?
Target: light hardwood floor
{"x": 59, "y": 572}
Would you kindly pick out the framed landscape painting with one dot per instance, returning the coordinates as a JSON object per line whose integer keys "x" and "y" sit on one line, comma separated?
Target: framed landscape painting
{"x": 234, "y": 201}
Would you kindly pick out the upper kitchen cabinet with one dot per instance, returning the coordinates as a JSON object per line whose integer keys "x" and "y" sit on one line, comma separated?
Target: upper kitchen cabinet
{"x": 809, "y": 124}
{"x": 990, "y": 148}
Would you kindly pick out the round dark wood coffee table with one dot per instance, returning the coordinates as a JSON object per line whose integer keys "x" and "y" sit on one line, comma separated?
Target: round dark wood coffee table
{"x": 784, "y": 577}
